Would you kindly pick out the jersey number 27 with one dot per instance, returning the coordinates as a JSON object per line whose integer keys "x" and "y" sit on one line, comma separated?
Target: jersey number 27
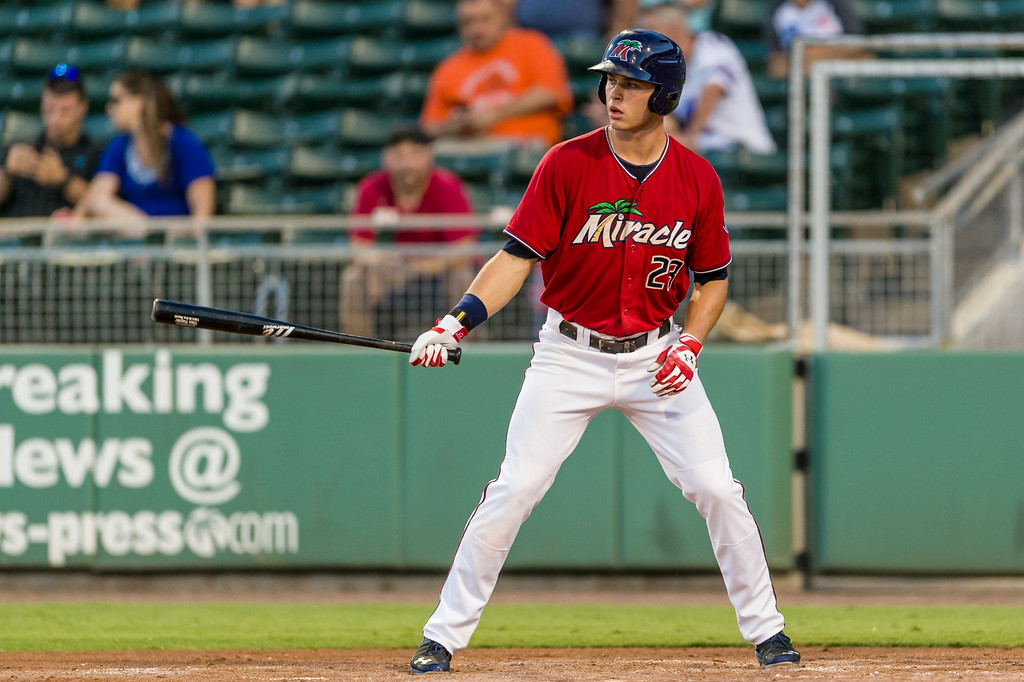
{"x": 663, "y": 272}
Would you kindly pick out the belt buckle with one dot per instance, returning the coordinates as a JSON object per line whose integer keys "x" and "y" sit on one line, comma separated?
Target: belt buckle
{"x": 629, "y": 345}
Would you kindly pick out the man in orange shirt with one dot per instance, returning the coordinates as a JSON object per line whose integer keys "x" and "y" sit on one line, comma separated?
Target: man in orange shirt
{"x": 503, "y": 82}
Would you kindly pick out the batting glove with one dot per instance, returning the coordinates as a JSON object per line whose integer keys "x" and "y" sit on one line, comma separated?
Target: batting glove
{"x": 431, "y": 348}
{"x": 677, "y": 366}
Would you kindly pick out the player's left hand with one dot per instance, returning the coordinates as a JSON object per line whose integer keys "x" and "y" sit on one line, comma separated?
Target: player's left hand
{"x": 677, "y": 365}
{"x": 431, "y": 348}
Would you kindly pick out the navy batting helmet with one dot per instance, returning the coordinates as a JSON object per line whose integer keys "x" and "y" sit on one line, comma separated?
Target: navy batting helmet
{"x": 645, "y": 56}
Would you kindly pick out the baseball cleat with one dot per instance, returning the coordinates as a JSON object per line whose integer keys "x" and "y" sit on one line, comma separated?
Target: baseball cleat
{"x": 776, "y": 651}
{"x": 430, "y": 657}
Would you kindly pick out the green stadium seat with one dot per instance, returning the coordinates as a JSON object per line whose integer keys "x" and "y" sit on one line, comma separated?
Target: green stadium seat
{"x": 368, "y": 128}
{"x": 213, "y": 128}
{"x": 308, "y": 163}
{"x": 245, "y": 200}
{"x": 212, "y": 19}
{"x": 39, "y": 20}
{"x": 39, "y": 56}
{"x": 579, "y": 53}
{"x": 19, "y": 126}
{"x": 235, "y": 165}
{"x": 897, "y": 16}
{"x": 756, "y": 198}
{"x": 254, "y": 129}
{"x": 21, "y": 93}
{"x": 525, "y": 162}
{"x": 762, "y": 168}
{"x": 165, "y": 57}
{"x": 399, "y": 91}
{"x": 880, "y": 121}
{"x": 95, "y": 20}
{"x": 317, "y": 17}
{"x": 97, "y": 126}
{"x": 981, "y": 15}
{"x": 428, "y": 16}
{"x": 771, "y": 91}
{"x": 210, "y": 92}
{"x": 387, "y": 55}
{"x": 267, "y": 56}
{"x": 97, "y": 90}
{"x": 493, "y": 165}
{"x": 741, "y": 18}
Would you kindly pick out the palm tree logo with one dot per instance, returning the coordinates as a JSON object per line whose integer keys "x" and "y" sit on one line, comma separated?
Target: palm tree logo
{"x": 623, "y": 49}
{"x": 622, "y": 207}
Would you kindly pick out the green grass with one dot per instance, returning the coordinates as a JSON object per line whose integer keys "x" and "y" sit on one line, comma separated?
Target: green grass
{"x": 115, "y": 626}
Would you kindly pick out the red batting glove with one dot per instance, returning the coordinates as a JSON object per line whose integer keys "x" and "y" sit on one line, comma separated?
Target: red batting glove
{"x": 678, "y": 365}
{"x": 431, "y": 348}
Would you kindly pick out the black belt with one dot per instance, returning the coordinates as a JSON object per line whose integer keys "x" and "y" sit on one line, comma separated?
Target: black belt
{"x": 607, "y": 345}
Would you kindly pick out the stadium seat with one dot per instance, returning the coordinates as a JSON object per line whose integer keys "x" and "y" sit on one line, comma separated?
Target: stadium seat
{"x": 212, "y": 128}
{"x": 367, "y": 128}
{"x": 268, "y": 56}
{"x": 771, "y": 91}
{"x": 97, "y": 90}
{"x": 47, "y": 20}
{"x": 213, "y": 19}
{"x": 428, "y": 16}
{"x": 387, "y": 55}
{"x": 741, "y": 19}
{"x": 317, "y": 17}
{"x": 95, "y": 20}
{"x": 210, "y": 92}
{"x": 21, "y": 93}
{"x": 897, "y": 16}
{"x": 254, "y": 129}
{"x": 981, "y": 15}
{"x": 19, "y": 126}
{"x": 39, "y": 56}
{"x": 579, "y": 53}
{"x": 235, "y": 165}
{"x": 493, "y": 165}
{"x": 161, "y": 58}
{"x": 756, "y": 199}
{"x": 98, "y": 127}
{"x": 308, "y": 163}
{"x": 244, "y": 200}
{"x": 762, "y": 168}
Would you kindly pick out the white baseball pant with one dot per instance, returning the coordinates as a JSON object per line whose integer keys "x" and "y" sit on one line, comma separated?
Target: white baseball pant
{"x": 566, "y": 385}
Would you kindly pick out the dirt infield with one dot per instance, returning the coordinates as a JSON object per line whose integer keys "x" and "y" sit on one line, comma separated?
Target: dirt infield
{"x": 525, "y": 665}
{"x": 607, "y": 665}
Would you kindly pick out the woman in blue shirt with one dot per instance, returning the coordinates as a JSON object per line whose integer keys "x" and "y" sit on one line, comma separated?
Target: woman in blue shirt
{"x": 156, "y": 166}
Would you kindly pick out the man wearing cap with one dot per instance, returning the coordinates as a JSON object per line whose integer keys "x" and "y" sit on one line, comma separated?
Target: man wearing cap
{"x": 50, "y": 173}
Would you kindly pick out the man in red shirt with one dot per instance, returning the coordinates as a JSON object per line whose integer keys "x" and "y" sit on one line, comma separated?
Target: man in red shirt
{"x": 619, "y": 219}
{"x": 387, "y": 284}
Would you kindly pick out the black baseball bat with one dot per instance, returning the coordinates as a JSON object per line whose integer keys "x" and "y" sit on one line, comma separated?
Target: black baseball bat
{"x": 233, "y": 322}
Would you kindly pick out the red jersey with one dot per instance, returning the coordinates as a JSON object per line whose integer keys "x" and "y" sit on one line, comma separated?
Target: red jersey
{"x": 444, "y": 194}
{"x": 616, "y": 252}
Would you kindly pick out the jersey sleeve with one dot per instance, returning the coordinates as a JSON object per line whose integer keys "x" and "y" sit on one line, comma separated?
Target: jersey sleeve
{"x": 537, "y": 221}
{"x": 709, "y": 249}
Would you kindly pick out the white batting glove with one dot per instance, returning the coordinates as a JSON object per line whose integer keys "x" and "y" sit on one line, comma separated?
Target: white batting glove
{"x": 431, "y": 348}
{"x": 677, "y": 365}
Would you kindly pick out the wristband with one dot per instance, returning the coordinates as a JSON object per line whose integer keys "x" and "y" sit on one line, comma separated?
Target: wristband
{"x": 470, "y": 311}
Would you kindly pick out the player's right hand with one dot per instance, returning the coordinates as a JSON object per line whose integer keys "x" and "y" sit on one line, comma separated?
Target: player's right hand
{"x": 431, "y": 348}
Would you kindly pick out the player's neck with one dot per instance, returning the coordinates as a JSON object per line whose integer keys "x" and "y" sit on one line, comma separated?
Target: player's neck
{"x": 640, "y": 146}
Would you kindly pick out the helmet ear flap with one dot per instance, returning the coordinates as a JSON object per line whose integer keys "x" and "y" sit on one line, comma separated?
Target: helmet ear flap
{"x": 601, "y": 88}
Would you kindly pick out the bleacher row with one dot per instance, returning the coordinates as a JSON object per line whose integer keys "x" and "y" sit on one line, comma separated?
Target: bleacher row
{"x": 295, "y": 100}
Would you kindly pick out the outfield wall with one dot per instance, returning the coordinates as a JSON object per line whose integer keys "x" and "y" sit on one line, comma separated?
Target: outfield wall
{"x": 125, "y": 458}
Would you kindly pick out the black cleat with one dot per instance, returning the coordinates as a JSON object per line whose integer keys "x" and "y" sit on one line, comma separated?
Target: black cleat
{"x": 431, "y": 657}
{"x": 776, "y": 651}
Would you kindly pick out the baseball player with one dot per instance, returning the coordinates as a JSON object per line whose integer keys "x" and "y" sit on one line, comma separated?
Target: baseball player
{"x": 618, "y": 218}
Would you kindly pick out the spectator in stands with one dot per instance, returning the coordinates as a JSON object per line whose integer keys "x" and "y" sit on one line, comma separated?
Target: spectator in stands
{"x": 589, "y": 19}
{"x": 718, "y": 108}
{"x": 503, "y": 82}
{"x": 788, "y": 20}
{"x": 156, "y": 166}
{"x": 51, "y": 173}
{"x": 378, "y": 288}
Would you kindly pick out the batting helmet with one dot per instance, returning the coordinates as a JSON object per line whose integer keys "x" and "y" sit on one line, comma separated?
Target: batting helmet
{"x": 645, "y": 56}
